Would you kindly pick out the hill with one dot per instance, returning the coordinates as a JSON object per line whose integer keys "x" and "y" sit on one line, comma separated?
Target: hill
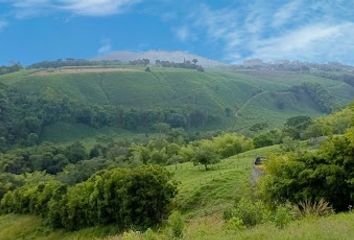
{"x": 224, "y": 98}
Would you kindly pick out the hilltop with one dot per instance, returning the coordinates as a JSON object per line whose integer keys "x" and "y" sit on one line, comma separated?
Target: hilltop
{"x": 153, "y": 55}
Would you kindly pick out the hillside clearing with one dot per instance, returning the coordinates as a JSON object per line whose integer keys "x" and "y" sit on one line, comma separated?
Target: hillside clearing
{"x": 48, "y": 72}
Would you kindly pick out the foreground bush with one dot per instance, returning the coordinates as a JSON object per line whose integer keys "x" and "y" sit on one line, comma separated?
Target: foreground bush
{"x": 325, "y": 174}
{"x": 138, "y": 197}
{"x": 249, "y": 213}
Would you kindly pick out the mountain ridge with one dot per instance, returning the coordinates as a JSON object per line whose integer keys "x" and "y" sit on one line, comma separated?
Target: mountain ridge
{"x": 153, "y": 55}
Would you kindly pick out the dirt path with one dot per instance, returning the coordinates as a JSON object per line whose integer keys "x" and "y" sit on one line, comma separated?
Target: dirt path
{"x": 256, "y": 174}
{"x": 248, "y": 101}
{"x": 83, "y": 70}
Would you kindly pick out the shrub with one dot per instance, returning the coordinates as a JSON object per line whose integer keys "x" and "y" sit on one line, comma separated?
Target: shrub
{"x": 289, "y": 144}
{"x": 323, "y": 174}
{"x": 138, "y": 197}
{"x": 315, "y": 208}
{"x": 282, "y": 216}
{"x": 267, "y": 138}
{"x": 235, "y": 223}
{"x": 250, "y": 212}
{"x": 176, "y": 224}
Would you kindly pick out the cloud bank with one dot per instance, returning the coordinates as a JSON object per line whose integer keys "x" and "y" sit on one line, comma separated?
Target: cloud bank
{"x": 314, "y": 31}
{"x": 27, "y": 8}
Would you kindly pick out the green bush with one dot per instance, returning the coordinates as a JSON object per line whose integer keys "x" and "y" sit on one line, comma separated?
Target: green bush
{"x": 138, "y": 197}
{"x": 323, "y": 174}
{"x": 250, "y": 212}
{"x": 282, "y": 216}
{"x": 176, "y": 224}
{"x": 267, "y": 138}
{"x": 235, "y": 223}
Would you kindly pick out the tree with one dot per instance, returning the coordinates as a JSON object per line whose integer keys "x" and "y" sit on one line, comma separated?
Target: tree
{"x": 205, "y": 155}
{"x": 76, "y": 152}
{"x": 195, "y": 61}
{"x": 295, "y": 126}
{"x": 311, "y": 176}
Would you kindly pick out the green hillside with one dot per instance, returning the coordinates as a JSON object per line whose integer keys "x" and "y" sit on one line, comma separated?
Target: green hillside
{"x": 232, "y": 99}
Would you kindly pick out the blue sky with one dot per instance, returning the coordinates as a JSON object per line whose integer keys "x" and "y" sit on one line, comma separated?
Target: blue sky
{"x": 229, "y": 31}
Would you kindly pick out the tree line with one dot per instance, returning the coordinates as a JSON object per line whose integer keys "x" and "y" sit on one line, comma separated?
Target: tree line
{"x": 10, "y": 69}
{"x": 23, "y": 117}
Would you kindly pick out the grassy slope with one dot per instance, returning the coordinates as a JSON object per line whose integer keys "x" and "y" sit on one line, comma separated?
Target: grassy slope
{"x": 202, "y": 198}
{"x": 336, "y": 227}
{"x": 213, "y": 90}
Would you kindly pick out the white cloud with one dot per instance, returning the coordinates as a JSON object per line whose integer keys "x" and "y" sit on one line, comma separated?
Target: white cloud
{"x": 218, "y": 25}
{"x": 95, "y": 7}
{"x": 298, "y": 30}
{"x": 310, "y": 43}
{"x": 286, "y": 12}
{"x": 106, "y": 46}
{"x": 26, "y": 8}
{"x": 182, "y": 33}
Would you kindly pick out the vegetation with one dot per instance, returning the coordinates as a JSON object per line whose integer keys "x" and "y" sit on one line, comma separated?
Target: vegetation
{"x": 181, "y": 180}
{"x": 315, "y": 175}
{"x": 127, "y": 97}
{"x": 10, "y": 69}
{"x": 137, "y": 197}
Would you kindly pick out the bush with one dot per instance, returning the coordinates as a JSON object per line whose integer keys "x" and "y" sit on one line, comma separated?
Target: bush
{"x": 267, "y": 138}
{"x": 323, "y": 174}
{"x": 235, "y": 223}
{"x": 176, "y": 224}
{"x": 250, "y": 213}
{"x": 315, "y": 208}
{"x": 138, "y": 197}
{"x": 282, "y": 216}
{"x": 289, "y": 144}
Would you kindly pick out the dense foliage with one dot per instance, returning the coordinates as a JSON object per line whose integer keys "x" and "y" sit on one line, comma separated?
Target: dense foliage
{"x": 46, "y": 157}
{"x": 24, "y": 116}
{"x": 139, "y": 197}
{"x": 324, "y": 174}
{"x": 321, "y": 96}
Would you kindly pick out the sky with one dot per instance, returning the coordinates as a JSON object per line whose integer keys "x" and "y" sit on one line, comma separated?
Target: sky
{"x": 229, "y": 31}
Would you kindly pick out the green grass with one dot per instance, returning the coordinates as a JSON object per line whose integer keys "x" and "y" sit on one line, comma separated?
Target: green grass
{"x": 335, "y": 227}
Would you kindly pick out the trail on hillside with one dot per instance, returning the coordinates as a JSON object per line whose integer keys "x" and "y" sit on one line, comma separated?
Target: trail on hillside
{"x": 256, "y": 174}
{"x": 236, "y": 114}
{"x": 100, "y": 83}
{"x": 248, "y": 101}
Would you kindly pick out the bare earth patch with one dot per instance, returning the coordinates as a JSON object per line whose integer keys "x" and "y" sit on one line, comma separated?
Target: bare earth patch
{"x": 82, "y": 70}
